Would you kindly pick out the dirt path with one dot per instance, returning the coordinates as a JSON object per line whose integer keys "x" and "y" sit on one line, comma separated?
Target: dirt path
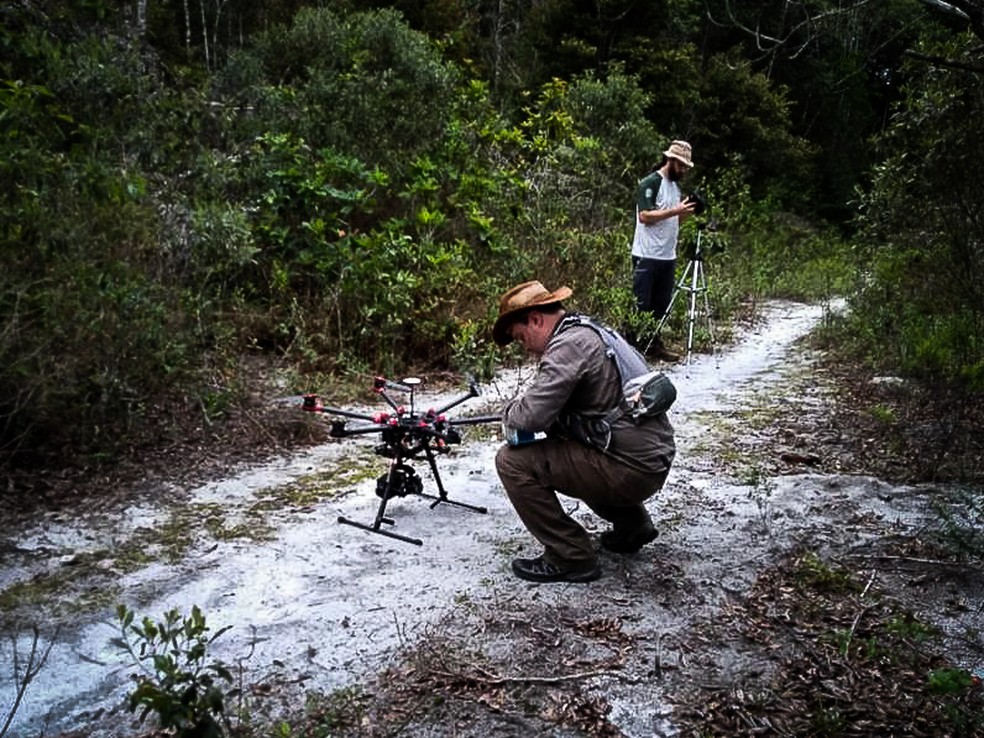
{"x": 321, "y": 607}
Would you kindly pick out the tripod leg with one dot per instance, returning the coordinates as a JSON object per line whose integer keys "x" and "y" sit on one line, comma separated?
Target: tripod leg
{"x": 707, "y": 313}
{"x": 676, "y": 291}
{"x": 680, "y": 285}
{"x": 692, "y": 312}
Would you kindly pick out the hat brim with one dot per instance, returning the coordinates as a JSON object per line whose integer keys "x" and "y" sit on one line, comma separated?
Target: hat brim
{"x": 687, "y": 164}
{"x": 501, "y": 333}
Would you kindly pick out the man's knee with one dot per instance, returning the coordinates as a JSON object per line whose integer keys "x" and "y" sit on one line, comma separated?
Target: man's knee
{"x": 502, "y": 458}
{"x": 509, "y": 464}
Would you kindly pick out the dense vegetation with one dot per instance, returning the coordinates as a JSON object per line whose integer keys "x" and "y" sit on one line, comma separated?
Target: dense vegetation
{"x": 346, "y": 189}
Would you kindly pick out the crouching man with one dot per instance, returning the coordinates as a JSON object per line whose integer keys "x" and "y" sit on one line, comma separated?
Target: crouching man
{"x": 576, "y": 384}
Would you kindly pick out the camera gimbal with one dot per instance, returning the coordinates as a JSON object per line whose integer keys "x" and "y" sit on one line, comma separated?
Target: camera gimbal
{"x": 405, "y": 434}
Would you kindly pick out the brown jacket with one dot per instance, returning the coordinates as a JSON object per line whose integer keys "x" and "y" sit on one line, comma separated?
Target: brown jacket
{"x": 576, "y": 375}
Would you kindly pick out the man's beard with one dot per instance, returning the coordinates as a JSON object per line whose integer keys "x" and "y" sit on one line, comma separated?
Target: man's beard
{"x": 674, "y": 174}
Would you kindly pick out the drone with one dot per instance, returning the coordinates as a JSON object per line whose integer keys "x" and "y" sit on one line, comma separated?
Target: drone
{"x": 405, "y": 434}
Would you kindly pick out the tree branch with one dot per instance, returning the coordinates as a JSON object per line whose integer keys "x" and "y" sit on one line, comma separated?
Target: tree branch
{"x": 944, "y": 62}
{"x": 969, "y": 11}
{"x": 35, "y": 662}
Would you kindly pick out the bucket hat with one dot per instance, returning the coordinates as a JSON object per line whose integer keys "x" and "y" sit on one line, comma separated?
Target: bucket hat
{"x": 680, "y": 150}
{"x": 519, "y": 298}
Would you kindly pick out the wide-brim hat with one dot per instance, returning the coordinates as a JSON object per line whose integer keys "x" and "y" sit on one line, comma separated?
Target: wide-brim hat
{"x": 681, "y": 151}
{"x": 519, "y": 298}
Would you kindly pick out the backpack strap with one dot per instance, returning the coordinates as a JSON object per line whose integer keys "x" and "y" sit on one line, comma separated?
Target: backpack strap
{"x": 628, "y": 361}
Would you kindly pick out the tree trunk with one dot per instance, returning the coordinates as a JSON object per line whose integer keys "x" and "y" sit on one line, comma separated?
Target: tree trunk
{"x": 141, "y": 19}
{"x": 187, "y": 14}
{"x": 201, "y": 4}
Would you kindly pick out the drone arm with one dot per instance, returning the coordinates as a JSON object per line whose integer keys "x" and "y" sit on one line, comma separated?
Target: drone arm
{"x": 389, "y": 400}
{"x": 472, "y": 392}
{"x": 477, "y": 420}
{"x": 338, "y": 430}
{"x": 381, "y": 383}
{"x": 343, "y": 413}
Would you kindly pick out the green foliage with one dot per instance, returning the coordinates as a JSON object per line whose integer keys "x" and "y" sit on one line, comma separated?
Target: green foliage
{"x": 813, "y": 572}
{"x": 338, "y": 710}
{"x": 364, "y": 84}
{"x": 90, "y": 322}
{"x": 577, "y": 216}
{"x": 920, "y": 304}
{"x": 756, "y": 250}
{"x": 473, "y": 355}
{"x": 181, "y": 685}
{"x": 739, "y": 112}
{"x": 908, "y": 628}
{"x": 884, "y": 415}
{"x": 375, "y": 257}
{"x": 962, "y": 519}
{"x": 950, "y": 681}
{"x": 340, "y": 193}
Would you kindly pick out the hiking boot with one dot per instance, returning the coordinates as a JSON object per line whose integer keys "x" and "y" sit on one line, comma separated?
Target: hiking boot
{"x": 628, "y": 544}
{"x": 541, "y": 570}
{"x": 659, "y": 350}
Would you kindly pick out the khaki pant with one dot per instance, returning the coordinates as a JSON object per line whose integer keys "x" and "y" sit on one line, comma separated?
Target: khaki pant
{"x": 533, "y": 475}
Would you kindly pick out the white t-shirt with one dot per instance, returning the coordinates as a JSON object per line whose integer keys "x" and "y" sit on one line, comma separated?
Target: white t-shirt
{"x": 659, "y": 240}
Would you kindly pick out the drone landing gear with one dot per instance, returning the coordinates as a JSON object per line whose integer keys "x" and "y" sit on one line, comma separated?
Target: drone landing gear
{"x": 400, "y": 481}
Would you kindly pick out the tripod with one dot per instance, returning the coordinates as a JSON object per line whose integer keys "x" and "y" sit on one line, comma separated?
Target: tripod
{"x": 694, "y": 282}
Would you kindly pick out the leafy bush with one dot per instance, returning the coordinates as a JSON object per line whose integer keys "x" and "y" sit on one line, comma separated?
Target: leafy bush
{"x": 91, "y": 330}
{"x": 919, "y": 304}
{"x": 362, "y": 83}
{"x": 339, "y": 194}
{"x": 180, "y": 684}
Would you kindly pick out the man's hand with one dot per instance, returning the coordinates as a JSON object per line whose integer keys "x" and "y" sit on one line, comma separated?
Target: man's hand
{"x": 685, "y": 209}
{"x": 688, "y": 206}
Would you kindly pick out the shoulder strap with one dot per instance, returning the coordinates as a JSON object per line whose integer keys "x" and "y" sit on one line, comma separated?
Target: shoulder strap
{"x": 628, "y": 361}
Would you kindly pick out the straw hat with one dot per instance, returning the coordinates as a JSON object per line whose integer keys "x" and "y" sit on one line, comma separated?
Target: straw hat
{"x": 679, "y": 150}
{"x": 519, "y": 298}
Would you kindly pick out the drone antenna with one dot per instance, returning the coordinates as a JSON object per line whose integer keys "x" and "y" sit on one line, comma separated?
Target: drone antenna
{"x": 412, "y": 383}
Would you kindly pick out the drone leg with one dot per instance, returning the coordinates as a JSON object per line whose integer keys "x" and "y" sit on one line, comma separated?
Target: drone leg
{"x": 376, "y": 529}
{"x": 381, "y": 518}
{"x": 432, "y": 461}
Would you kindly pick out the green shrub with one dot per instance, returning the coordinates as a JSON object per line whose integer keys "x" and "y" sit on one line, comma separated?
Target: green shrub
{"x": 180, "y": 684}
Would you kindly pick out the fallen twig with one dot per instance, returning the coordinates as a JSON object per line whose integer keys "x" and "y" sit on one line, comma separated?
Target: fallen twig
{"x": 659, "y": 655}
{"x": 498, "y": 680}
{"x": 914, "y": 560}
{"x": 857, "y": 618}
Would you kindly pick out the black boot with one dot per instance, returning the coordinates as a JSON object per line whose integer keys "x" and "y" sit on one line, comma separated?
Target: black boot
{"x": 659, "y": 350}
{"x": 628, "y": 543}
{"x": 541, "y": 570}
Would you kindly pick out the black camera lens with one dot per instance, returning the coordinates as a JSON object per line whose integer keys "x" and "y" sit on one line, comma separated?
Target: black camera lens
{"x": 698, "y": 200}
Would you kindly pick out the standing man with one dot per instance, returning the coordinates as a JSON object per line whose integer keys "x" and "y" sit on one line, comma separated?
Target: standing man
{"x": 659, "y": 212}
{"x": 577, "y": 381}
